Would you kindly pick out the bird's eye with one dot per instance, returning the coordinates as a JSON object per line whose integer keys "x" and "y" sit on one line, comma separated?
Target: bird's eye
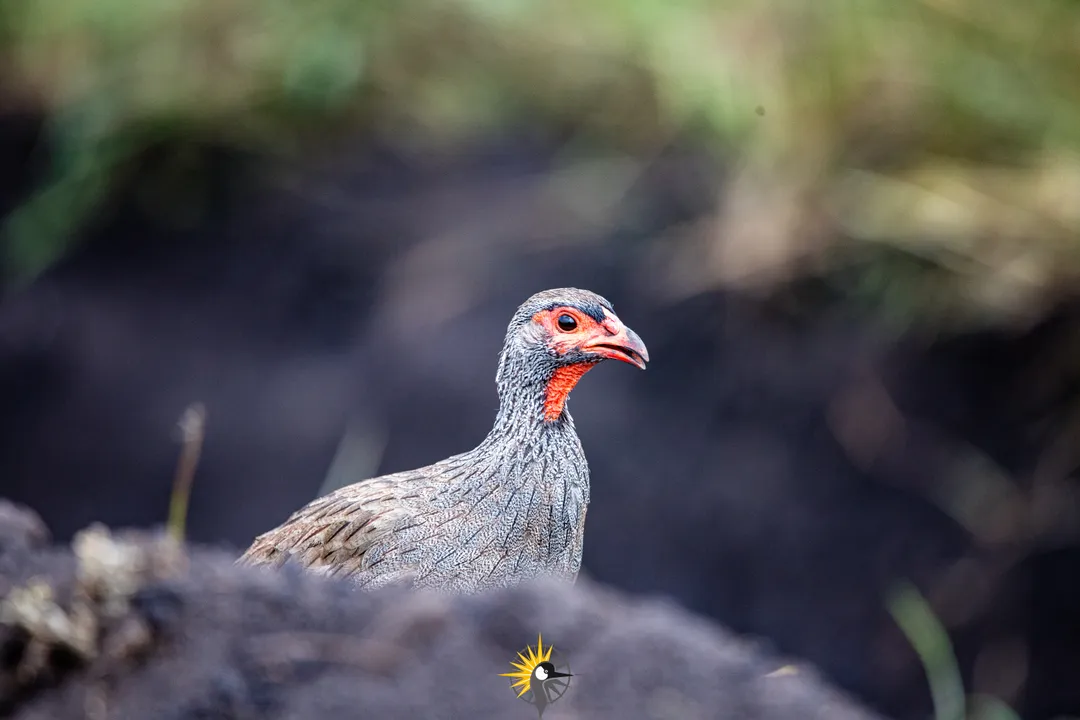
{"x": 567, "y": 323}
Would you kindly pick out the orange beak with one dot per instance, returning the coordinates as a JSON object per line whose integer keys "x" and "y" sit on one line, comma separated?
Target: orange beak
{"x": 618, "y": 343}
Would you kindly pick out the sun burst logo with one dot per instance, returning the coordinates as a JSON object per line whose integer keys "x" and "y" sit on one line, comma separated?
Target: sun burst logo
{"x": 540, "y": 677}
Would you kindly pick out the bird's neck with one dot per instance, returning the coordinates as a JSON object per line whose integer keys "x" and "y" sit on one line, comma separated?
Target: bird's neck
{"x": 533, "y": 393}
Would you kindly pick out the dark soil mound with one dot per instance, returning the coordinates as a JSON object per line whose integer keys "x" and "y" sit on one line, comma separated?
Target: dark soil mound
{"x": 133, "y": 626}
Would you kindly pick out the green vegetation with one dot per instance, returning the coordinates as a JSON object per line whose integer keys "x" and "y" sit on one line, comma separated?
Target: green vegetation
{"x": 192, "y": 427}
{"x": 931, "y": 642}
{"x": 946, "y": 131}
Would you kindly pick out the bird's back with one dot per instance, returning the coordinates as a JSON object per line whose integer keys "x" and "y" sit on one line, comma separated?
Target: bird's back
{"x": 487, "y": 518}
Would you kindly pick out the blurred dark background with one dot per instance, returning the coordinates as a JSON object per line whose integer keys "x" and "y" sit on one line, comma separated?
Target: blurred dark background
{"x": 848, "y": 233}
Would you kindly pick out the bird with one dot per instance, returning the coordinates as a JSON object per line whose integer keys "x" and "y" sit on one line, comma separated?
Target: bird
{"x": 510, "y": 509}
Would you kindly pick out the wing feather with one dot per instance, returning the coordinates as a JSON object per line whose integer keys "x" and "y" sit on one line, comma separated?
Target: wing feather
{"x": 340, "y": 533}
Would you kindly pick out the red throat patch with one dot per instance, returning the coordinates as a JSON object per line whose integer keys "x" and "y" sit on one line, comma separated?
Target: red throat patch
{"x": 559, "y": 387}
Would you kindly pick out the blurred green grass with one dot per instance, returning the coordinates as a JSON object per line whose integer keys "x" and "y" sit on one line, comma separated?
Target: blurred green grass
{"x": 928, "y": 637}
{"x": 946, "y": 130}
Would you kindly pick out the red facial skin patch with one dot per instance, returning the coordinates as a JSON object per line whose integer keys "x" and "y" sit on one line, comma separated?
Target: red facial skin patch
{"x": 565, "y": 378}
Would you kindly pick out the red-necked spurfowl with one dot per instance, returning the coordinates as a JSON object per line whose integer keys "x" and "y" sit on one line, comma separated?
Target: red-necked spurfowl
{"x": 509, "y": 509}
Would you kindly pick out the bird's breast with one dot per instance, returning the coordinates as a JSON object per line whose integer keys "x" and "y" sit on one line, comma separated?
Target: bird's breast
{"x": 545, "y": 495}
{"x": 498, "y": 516}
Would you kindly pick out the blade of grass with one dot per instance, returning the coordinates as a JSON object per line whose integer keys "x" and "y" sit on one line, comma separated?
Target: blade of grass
{"x": 358, "y": 455}
{"x": 192, "y": 428}
{"x": 988, "y": 707}
{"x": 931, "y": 642}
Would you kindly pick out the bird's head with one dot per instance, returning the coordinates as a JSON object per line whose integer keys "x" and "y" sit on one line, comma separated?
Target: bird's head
{"x": 546, "y": 671}
{"x": 556, "y": 336}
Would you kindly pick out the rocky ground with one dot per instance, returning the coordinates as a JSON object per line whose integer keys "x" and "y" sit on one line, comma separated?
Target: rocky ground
{"x": 131, "y": 625}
